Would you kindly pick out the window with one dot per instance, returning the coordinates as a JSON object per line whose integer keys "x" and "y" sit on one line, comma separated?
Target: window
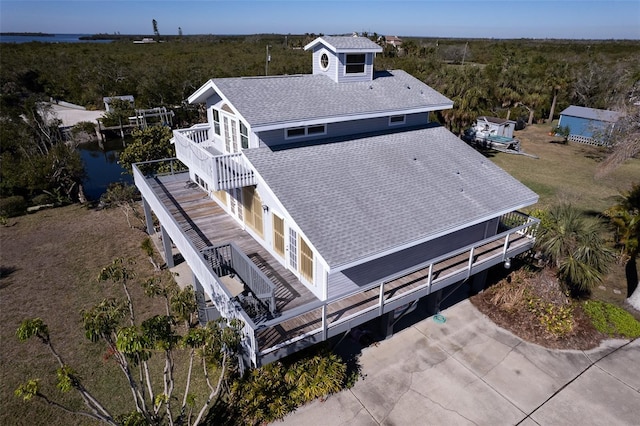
{"x": 244, "y": 136}
{"x": 394, "y": 120}
{"x": 216, "y": 122}
{"x": 252, "y": 206}
{"x": 324, "y": 61}
{"x": 278, "y": 235}
{"x": 306, "y": 260}
{"x": 293, "y": 249}
{"x": 316, "y": 130}
{"x": 299, "y": 132}
{"x": 355, "y": 63}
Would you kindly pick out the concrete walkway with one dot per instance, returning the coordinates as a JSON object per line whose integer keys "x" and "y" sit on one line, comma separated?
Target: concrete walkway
{"x": 469, "y": 371}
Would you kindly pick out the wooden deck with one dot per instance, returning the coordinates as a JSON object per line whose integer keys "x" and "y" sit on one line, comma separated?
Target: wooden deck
{"x": 301, "y": 313}
{"x": 206, "y": 224}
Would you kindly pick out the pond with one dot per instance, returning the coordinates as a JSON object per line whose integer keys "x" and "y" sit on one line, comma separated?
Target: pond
{"x": 102, "y": 167}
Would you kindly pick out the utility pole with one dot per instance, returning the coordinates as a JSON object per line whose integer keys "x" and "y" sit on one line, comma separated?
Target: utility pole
{"x": 464, "y": 54}
{"x": 266, "y": 65}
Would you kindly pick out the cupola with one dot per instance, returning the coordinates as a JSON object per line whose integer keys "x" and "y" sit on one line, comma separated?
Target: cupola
{"x": 344, "y": 59}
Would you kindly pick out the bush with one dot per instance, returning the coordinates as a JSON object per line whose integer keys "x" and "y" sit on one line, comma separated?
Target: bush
{"x": 13, "y": 206}
{"x": 42, "y": 199}
{"x": 271, "y": 392}
{"x": 611, "y": 320}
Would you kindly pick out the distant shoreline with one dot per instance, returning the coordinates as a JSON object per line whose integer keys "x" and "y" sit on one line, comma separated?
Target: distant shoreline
{"x": 27, "y": 34}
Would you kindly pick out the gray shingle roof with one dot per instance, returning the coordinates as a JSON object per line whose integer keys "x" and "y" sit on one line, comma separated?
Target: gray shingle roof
{"x": 277, "y": 100}
{"x": 341, "y": 43}
{"x": 357, "y": 198}
{"x": 592, "y": 113}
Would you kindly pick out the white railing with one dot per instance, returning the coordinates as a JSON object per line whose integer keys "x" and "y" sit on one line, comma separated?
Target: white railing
{"x": 217, "y": 292}
{"x": 229, "y": 258}
{"x": 197, "y": 133}
{"x": 518, "y": 224}
{"x": 220, "y": 171}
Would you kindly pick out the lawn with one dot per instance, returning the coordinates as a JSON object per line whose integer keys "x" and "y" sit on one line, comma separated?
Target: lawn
{"x": 50, "y": 262}
{"x": 565, "y": 173}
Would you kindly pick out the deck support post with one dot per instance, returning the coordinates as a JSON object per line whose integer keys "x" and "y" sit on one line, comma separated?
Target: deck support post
{"x": 324, "y": 322}
{"x": 478, "y": 282}
{"x": 433, "y": 302}
{"x": 381, "y": 299}
{"x": 148, "y": 218}
{"x": 386, "y": 325}
{"x": 166, "y": 244}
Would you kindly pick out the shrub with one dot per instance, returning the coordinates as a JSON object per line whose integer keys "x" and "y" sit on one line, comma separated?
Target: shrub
{"x": 611, "y": 320}
{"x": 271, "y": 392}
{"x": 41, "y": 199}
{"x": 13, "y": 206}
{"x": 556, "y": 319}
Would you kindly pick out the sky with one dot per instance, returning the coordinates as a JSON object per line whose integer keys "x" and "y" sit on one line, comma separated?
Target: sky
{"x": 569, "y": 19}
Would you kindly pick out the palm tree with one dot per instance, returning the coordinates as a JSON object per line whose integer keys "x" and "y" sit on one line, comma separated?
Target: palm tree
{"x": 574, "y": 247}
{"x": 625, "y": 217}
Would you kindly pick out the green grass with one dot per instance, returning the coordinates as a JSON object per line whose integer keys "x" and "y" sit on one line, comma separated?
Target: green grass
{"x": 566, "y": 173}
{"x": 611, "y": 320}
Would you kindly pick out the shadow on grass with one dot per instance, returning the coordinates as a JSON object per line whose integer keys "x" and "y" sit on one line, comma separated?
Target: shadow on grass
{"x": 5, "y": 271}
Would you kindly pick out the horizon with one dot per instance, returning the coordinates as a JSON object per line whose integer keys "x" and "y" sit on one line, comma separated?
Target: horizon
{"x": 39, "y": 33}
{"x": 495, "y": 19}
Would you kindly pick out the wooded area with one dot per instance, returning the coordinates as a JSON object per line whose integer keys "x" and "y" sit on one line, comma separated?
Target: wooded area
{"x": 524, "y": 79}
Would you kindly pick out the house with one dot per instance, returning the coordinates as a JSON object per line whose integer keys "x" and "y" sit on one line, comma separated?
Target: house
{"x": 311, "y": 204}
{"x": 588, "y": 125}
{"x": 393, "y": 41}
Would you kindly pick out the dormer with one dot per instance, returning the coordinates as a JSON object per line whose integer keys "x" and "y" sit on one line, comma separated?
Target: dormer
{"x": 344, "y": 59}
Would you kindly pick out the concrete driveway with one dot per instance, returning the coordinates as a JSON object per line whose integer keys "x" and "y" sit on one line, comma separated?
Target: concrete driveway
{"x": 468, "y": 371}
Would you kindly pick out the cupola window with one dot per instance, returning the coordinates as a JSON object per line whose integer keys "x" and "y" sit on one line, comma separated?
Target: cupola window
{"x": 324, "y": 61}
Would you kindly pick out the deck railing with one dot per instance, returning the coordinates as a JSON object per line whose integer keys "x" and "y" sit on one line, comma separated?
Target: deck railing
{"x": 328, "y": 319}
{"x": 220, "y": 171}
{"x": 228, "y": 258}
{"x": 220, "y": 296}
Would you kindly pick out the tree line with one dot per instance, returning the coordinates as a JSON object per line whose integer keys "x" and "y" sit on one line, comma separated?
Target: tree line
{"x": 530, "y": 80}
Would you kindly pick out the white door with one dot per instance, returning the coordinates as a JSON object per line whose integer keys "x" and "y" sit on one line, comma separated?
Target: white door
{"x": 235, "y": 197}
{"x": 293, "y": 249}
{"x": 230, "y": 134}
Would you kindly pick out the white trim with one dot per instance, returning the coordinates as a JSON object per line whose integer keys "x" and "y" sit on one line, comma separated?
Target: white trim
{"x": 346, "y": 117}
{"x": 346, "y": 64}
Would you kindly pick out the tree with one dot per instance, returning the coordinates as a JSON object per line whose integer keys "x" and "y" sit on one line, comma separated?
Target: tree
{"x": 131, "y": 344}
{"x": 625, "y": 218}
{"x": 67, "y": 378}
{"x": 125, "y": 197}
{"x": 574, "y": 248}
{"x": 624, "y": 140}
{"x": 155, "y": 29}
{"x": 119, "y": 112}
{"x": 35, "y": 158}
{"x": 152, "y": 143}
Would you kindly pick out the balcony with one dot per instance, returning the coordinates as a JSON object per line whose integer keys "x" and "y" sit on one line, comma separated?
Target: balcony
{"x": 208, "y": 238}
{"x": 195, "y": 148}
